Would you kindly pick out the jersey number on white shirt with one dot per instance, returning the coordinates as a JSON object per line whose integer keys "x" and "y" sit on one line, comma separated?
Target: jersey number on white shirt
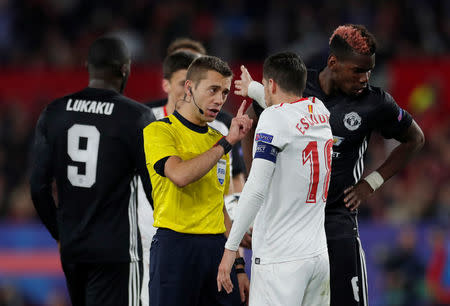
{"x": 310, "y": 154}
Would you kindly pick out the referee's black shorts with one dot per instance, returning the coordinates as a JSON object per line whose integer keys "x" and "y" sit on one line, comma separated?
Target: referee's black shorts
{"x": 183, "y": 270}
{"x": 107, "y": 284}
{"x": 348, "y": 276}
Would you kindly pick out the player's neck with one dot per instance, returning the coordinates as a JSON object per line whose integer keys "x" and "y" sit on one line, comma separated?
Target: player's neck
{"x": 191, "y": 114}
{"x": 170, "y": 106}
{"x": 284, "y": 98}
{"x": 103, "y": 84}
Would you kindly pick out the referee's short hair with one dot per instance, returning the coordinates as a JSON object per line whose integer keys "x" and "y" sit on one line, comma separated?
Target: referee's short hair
{"x": 287, "y": 70}
{"x": 198, "y": 69}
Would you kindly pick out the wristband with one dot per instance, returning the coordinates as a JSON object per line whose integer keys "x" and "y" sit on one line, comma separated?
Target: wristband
{"x": 224, "y": 144}
{"x": 239, "y": 270}
{"x": 239, "y": 261}
{"x": 375, "y": 180}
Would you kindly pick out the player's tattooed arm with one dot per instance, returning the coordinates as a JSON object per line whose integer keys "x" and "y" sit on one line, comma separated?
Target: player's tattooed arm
{"x": 411, "y": 141}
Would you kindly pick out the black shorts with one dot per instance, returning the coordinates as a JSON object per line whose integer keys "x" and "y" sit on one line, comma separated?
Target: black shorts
{"x": 105, "y": 284}
{"x": 348, "y": 276}
{"x": 183, "y": 270}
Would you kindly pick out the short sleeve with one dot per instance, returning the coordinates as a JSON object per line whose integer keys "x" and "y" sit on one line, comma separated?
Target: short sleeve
{"x": 159, "y": 142}
{"x": 270, "y": 128}
{"x": 392, "y": 119}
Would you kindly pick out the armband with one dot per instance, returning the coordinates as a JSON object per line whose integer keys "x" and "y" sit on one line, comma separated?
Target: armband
{"x": 239, "y": 270}
{"x": 375, "y": 180}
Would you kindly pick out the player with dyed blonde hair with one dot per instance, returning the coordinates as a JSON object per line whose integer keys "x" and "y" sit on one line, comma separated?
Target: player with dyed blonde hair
{"x": 357, "y": 109}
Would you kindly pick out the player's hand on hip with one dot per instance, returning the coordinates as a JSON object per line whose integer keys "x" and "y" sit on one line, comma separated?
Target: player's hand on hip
{"x": 240, "y": 125}
{"x": 244, "y": 287}
{"x": 246, "y": 242}
{"x": 241, "y": 86}
{"x": 357, "y": 194}
{"x": 223, "y": 274}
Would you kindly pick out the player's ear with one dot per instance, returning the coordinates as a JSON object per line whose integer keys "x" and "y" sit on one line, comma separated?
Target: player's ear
{"x": 165, "y": 85}
{"x": 125, "y": 69}
{"x": 188, "y": 87}
{"x": 332, "y": 62}
{"x": 272, "y": 86}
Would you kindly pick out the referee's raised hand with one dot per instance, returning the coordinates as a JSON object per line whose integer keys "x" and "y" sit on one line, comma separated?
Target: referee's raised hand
{"x": 240, "y": 125}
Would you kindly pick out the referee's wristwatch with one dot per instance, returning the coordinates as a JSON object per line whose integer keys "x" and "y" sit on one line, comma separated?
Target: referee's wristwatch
{"x": 224, "y": 144}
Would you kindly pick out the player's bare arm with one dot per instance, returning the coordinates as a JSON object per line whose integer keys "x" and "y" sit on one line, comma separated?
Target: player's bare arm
{"x": 411, "y": 141}
{"x": 184, "y": 172}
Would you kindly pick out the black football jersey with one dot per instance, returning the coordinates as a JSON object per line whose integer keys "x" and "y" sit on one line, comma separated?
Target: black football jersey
{"x": 352, "y": 121}
{"x": 90, "y": 143}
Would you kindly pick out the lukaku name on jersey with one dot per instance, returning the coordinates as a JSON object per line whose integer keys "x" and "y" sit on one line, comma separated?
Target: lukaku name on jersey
{"x": 93, "y": 107}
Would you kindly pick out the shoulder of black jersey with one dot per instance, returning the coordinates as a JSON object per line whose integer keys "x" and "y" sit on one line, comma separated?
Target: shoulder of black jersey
{"x": 140, "y": 110}
{"x": 257, "y": 108}
{"x": 63, "y": 99}
{"x": 378, "y": 95}
{"x": 225, "y": 117}
{"x": 156, "y": 103}
{"x": 312, "y": 84}
{"x": 312, "y": 73}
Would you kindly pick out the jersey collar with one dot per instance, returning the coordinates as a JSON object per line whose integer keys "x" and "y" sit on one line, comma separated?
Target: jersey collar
{"x": 190, "y": 125}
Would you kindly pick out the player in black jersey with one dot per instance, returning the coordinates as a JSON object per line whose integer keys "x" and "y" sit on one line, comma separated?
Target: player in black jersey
{"x": 357, "y": 109}
{"x": 90, "y": 143}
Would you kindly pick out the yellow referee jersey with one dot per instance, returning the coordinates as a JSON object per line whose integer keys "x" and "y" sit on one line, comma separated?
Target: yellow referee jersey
{"x": 198, "y": 207}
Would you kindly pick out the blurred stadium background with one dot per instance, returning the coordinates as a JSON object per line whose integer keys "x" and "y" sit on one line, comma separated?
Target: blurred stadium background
{"x": 404, "y": 226}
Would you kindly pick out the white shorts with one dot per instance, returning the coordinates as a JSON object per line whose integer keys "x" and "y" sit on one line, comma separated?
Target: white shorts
{"x": 302, "y": 282}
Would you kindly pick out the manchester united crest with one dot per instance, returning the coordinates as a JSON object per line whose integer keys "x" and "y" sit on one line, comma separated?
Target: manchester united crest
{"x": 352, "y": 121}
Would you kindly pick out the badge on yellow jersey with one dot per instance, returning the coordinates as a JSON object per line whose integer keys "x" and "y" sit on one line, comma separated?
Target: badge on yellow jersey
{"x": 221, "y": 170}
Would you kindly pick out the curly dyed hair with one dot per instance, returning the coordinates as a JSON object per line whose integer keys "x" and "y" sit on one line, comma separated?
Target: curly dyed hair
{"x": 352, "y": 38}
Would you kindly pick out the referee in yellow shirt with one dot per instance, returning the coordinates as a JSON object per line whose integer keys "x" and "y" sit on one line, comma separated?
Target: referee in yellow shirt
{"x": 188, "y": 163}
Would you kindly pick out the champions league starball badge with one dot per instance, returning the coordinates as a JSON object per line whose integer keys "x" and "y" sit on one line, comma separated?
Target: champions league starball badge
{"x": 352, "y": 121}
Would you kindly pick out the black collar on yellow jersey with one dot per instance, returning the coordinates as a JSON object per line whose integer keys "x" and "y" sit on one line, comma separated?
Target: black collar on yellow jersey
{"x": 190, "y": 125}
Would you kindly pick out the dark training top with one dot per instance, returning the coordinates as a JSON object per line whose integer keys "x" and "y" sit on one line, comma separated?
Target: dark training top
{"x": 90, "y": 143}
{"x": 352, "y": 121}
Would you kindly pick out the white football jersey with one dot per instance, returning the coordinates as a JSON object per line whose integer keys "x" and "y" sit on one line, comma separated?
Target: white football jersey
{"x": 290, "y": 224}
